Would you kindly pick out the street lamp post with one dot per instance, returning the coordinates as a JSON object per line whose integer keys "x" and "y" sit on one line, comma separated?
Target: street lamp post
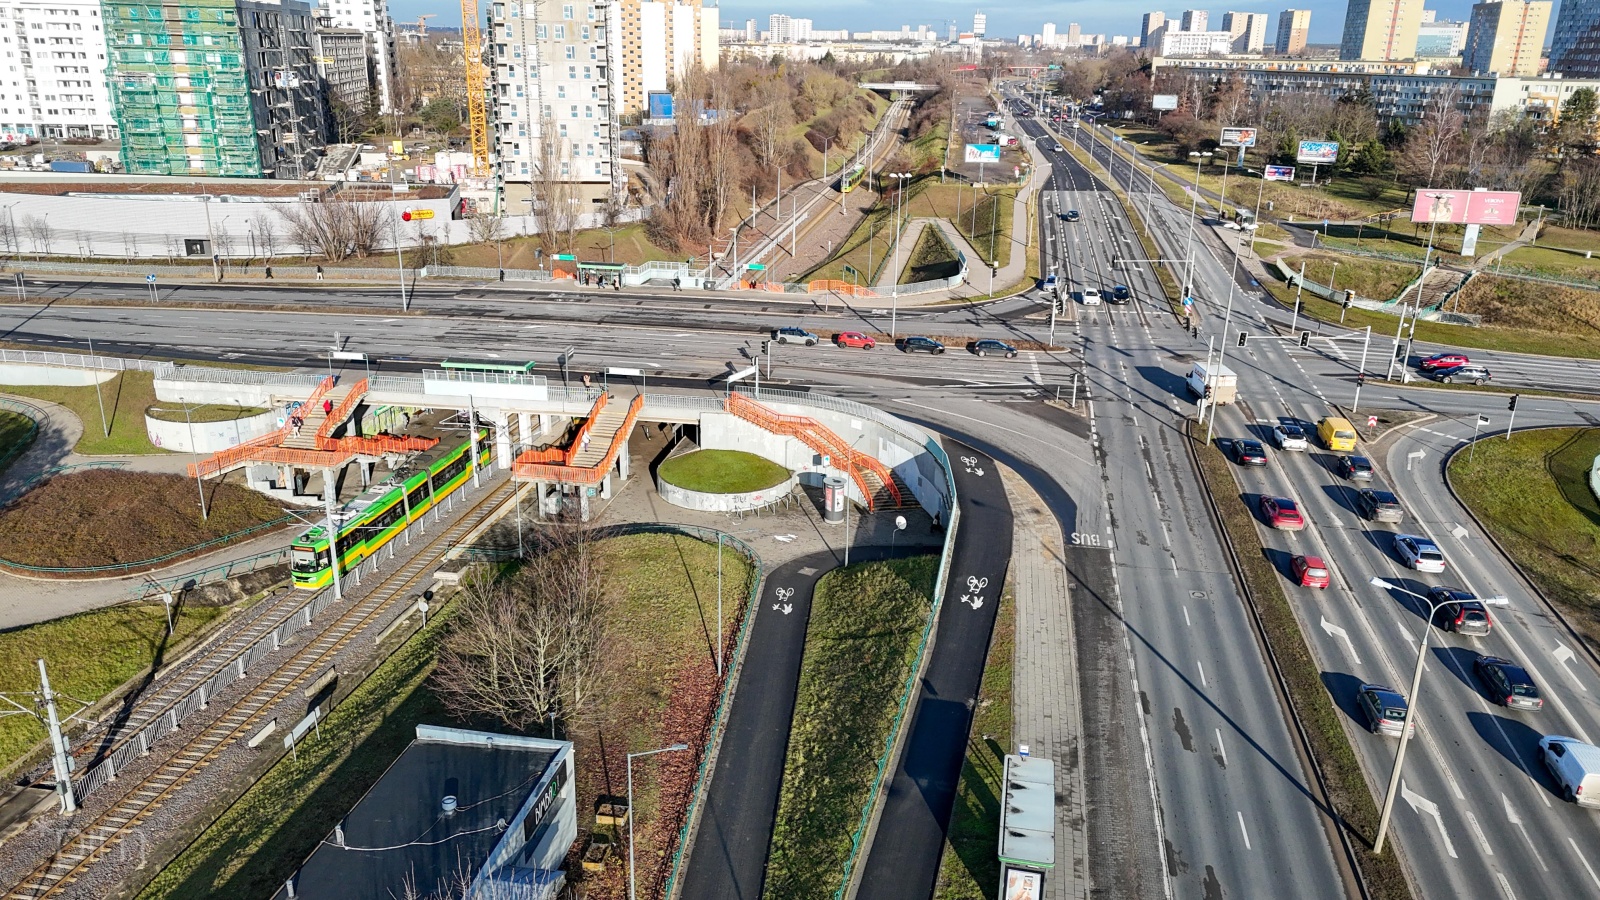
{"x": 1412, "y": 699}
{"x": 894, "y": 267}
{"x": 672, "y": 749}
{"x": 1194, "y": 212}
{"x": 199, "y": 480}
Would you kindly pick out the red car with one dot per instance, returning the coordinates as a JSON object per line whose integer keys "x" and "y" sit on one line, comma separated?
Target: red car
{"x": 1280, "y": 512}
{"x": 1309, "y": 571}
{"x": 1443, "y": 361}
{"x": 854, "y": 339}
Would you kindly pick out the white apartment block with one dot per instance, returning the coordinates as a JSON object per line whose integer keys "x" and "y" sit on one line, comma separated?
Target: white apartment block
{"x": 1196, "y": 43}
{"x": 660, "y": 40}
{"x": 372, "y": 18}
{"x": 53, "y": 77}
{"x": 1249, "y": 31}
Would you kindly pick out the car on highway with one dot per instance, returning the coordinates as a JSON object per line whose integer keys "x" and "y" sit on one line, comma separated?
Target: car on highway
{"x": 1355, "y": 468}
{"x": 918, "y": 344}
{"x": 1443, "y": 361}
{"x": 1575, "y": 766}
{"x": 794, "y": 335}
{"x": 1419, "y": 553}
{"x": 1091, "y": 297}
{"x": 1073, "y": 215}
{"x": 1120, "y": 293}
{"x": 854, "y": 339}
{"x": 1386, "y": 709}
{"x": 998, "y": 348}
{"x": 1282, "y": 513}
{"x": 1249, "y": 453}
{"x": 1289, "y": 436}
{"x": 1380, "y": 506}
{"x": 1507, "y": 683}
{"x": 1309, "y": 571}
{"x": 1459, "y": 611}
{"x": 1472, "y": 373}
{"x": 1052, "y": 283}
{"x": 1057, "y": 147}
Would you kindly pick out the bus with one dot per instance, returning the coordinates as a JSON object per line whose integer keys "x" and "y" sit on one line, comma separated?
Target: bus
{"x": 475, "y": 366}
{"x": 851, "y": 178}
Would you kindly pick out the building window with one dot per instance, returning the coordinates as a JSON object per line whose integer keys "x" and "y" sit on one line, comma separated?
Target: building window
{"x": 572, "y": 52}
{"x": 588, "y": 112}
{"x": 561, "y": 32}
{"x": 566, "y": 11}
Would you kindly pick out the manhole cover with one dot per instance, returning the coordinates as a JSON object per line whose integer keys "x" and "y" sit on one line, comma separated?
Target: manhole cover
{"x": 1197, "y": 595}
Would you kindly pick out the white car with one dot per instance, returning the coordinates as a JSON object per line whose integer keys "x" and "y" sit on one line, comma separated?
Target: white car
{"x": 1419, "y": 553}
{"x": 1290, "y": 437}
{"x": 1091, "y": 297}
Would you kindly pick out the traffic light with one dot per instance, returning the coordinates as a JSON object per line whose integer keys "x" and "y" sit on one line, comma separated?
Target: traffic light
{"x": 1243, "y": 337}
{"x": 1513, "y": 404}
{"x": 1208, "y": 392}
{"x": 1361, "y": 379}
{"x": 1400, "y": 353}
{"x": 1305, "y": 338}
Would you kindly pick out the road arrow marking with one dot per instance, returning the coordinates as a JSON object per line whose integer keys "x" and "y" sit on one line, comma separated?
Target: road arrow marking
{"x": 1564, "y": 655}
{"x": 1423, "y": 805}
{"x": 1341, "y": 634}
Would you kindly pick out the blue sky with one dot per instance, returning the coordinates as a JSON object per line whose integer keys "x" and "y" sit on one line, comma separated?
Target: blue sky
{"x": 1005, "y": 19}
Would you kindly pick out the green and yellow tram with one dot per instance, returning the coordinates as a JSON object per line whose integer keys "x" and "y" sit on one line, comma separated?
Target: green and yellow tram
{"x": 385, "y": 516}
{"x": 851, "y": 178}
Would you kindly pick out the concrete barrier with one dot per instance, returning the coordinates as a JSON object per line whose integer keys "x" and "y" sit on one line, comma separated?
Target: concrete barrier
{"x": 20, "y": 374}
{"x": 208, "y": 437}
{"x": 745, "y": 502}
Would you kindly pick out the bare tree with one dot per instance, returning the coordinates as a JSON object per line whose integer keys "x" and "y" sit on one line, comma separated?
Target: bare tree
{"x": 264, "y": 232}
{"x": 1435, "y": 143}
{"x": 337, "y": 229}
{"x": 772, "y": 120}
{"x": 39, "y": 232}
{"x": 555, "y": 194}
{"x": 8, "y": 235}
{"x": 485, "y": 228}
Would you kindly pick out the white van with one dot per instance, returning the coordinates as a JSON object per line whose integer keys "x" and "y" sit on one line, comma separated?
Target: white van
{"x": 1575, "y": 767}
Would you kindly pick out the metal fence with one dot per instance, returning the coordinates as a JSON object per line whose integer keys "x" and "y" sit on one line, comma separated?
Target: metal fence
{"x": 216, "y": 375}
{"x": 28, "y": 411}
{"x": 220, "y": 572}
{"x": 230, "y": 270}
{"x": 84, "y": 361}
{"x": 483, "y": 273}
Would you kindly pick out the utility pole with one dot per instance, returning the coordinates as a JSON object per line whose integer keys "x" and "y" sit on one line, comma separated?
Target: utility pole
{"x": 60, "y": 761}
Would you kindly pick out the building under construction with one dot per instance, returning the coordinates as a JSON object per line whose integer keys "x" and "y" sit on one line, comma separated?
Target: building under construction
{"x": 215, "y": 87}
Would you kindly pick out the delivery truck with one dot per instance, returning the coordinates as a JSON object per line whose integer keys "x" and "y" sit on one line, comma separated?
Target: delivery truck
{"x": 1217, "y": 380}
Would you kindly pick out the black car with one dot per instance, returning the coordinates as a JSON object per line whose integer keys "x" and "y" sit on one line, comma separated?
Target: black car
{"x": 1459, "y": 611}
{"x": 1355, "y": 468}
{"x": 1072, "y": 215}
{"x": 1121, "y": 294}
{"x": 1508, "y": 684}
{"x": 998, "y": 348}
{"x": 1249, "y": 453}
{"x": 921, "y": 345}
{"x": 1380, "y": 506}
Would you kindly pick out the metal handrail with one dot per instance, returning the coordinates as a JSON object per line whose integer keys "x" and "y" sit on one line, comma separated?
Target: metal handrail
{"x": 153, "y": 562}
{"x": 28, "y": 411}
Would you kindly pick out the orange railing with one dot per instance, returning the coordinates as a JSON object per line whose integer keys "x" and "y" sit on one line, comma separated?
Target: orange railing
{"x": 380, "y": 444}
{"x": 818, "y": 437}
{"x": 824, "y": 285}
{"x": 223, "y": 459}
{"x": 340, "y": 413}
{"x": 551, "y": 464}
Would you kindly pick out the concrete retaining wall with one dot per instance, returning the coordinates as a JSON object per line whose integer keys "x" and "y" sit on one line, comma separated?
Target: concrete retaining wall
{"x": 745, "y": 502}
{"x": 208, "y": 437}
{"x": 13, "y": 373}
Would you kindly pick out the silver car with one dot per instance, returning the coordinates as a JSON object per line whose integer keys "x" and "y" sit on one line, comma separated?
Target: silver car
{"x": 1386, "y": 710}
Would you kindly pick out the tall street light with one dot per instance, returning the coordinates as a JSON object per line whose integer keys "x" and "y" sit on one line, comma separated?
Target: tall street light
{"x": 631, "y": 816}
{"x": 1412, "y": 699}
{"x": 199, "y": 480}
{"x": 1194, "y": 211}
{"x": 894, "y": 268}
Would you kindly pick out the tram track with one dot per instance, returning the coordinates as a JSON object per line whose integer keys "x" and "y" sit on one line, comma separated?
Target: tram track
{"x": 70, "y": 862}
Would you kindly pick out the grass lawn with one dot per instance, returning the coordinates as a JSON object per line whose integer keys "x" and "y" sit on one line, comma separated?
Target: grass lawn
{"x": 1375, "y": 279}
{"x": 1330, "y": 744}
{"x": 1533, "y": 493}
{"x": 969, "y": 869}
{"x": 102, "y": 517}
{"x": 722, "y": 472}
{"x": 664, "y": 593}
{"x": 866, "y": 250}
{"x": 89, "y": 655}
{"x": 16, "y": 432}
{"x": 628, "y": 245}
{"x": 208, "y": 412}
{"x": 865, "y": 624}
{"x": 126, "y": 397}
{"x": 983, "y": 216}
{"x": 931, "y": 258}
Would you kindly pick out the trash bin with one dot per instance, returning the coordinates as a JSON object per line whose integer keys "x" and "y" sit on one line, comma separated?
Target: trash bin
{"x": 834, "y": 498}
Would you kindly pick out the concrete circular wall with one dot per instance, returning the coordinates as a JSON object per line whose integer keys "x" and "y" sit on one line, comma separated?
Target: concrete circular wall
{"x": 745, "y": 502}
{"x": 208, "y": 437}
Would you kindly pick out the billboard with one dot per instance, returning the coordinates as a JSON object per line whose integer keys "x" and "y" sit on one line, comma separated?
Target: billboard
{"x": 983, "y": 153}
{"x": 1279, "y": 173}
{"x": 1164, "y": 101}
{"x": 1466, "y": 207}
{"x": 1318, "y": 153}
{"x": 1022, "y": 884}
{"x": 660, "y": 105}
{"x": 1238, "y": 137}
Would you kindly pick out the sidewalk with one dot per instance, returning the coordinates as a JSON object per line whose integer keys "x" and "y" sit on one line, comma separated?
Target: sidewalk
{"x": 1045, "y": 699}
{"x": 1023, "y": 227}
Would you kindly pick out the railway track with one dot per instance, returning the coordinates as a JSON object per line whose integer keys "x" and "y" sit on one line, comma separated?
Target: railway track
{"x": 184, "y": 763}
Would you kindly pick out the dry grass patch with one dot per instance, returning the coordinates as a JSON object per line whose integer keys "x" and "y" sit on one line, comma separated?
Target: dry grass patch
{"x": 1512, "y": 303}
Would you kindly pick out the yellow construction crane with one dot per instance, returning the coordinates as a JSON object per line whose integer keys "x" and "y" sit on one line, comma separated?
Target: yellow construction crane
{"x": 477, "y": 87}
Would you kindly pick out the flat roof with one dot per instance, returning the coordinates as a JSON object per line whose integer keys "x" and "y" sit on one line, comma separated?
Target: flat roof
{"x": 397, "y": 840}
{"x": 61, "y": 184}
{"x": 1028, "y": 812}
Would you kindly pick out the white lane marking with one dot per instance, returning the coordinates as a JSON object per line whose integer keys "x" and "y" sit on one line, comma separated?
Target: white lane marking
{"x": 1186, "y": 616}
{"x": 1202, "y": 667}
{"x": 1505, "y": 886}
{"x": 1424, "y": 806}
{"x": 1221, "y": 749}
{"x": 1584, "y": 859}
{"x": 1477, "y": 830}
{"x": 1243, "y": 831}
{"x": 1564, "y": 655}
{"x": 1343, "y": 635}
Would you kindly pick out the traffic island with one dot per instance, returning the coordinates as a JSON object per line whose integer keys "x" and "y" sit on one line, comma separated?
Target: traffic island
{"x": 723, "y": 481}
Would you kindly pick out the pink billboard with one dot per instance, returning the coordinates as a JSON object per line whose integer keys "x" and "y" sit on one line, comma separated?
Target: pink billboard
{"x": 1466, "y": 207}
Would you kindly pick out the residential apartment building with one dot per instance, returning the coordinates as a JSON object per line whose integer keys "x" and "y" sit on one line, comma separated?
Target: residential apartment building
{"x": 1196, "y": 43}
{"x": 980, "y": 24}
{"x": 1440, "y": 40}
{"x": 215, "y": 87}
{"x": 750, "y": 32}
{"x": 1575, "y": 45}
{"x": 371, "y": 17}
{"x": 1047, "y": 34}
{"x": 1381, "y": 29}
{"x": 1194, "y": 20}
{"x": 1400, "y": 90}
{"x": 1293, "y": 26}
{"x": 1249, "y": 31}
{"x": 343, "y": 63}
{"x": 54, "y": 82}
{"x": 1151, "y": 27}
{"x": 660, "y": 40}
{"x": 1506, "y": 38}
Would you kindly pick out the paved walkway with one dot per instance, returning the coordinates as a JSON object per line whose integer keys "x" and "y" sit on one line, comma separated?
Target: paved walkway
{"x": 1045, "y": 699}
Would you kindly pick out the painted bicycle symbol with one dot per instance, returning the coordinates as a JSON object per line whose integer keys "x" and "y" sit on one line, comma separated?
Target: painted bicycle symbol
{"x": 783, "y": 605}
{"x": 974, "y": 597}
{"x": 971, "y": 462}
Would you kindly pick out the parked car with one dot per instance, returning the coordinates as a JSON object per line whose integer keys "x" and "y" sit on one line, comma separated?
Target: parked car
{"x": 1459, "y": 611}
{"x": 1309, "y": 571}
{"x": 1380, "y": 506}
{"x": 1091, "y": 297}
{"x": 793, "y": 335}
{"x": 1386, "y": 709}
{"x": 917, "y": 344}
{"x": 854, "y": 339}
{"x": 1355, "y": 468}
{"x": 1249, "y": 453}
{"x": 1443, "y": 361}
{"x": 1120, "y": 294}
{"x": 1474, "y": 374}
{"x": 1289, "y": 436}
{"x": 998, "y": 348}
{"x": 1508, "y": 684}
{"x": 1073, "y": 215}
{"x": 1575, "y": 766}
{"x": 1282, "y": 513}
{"x": 1419, "y": 553}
